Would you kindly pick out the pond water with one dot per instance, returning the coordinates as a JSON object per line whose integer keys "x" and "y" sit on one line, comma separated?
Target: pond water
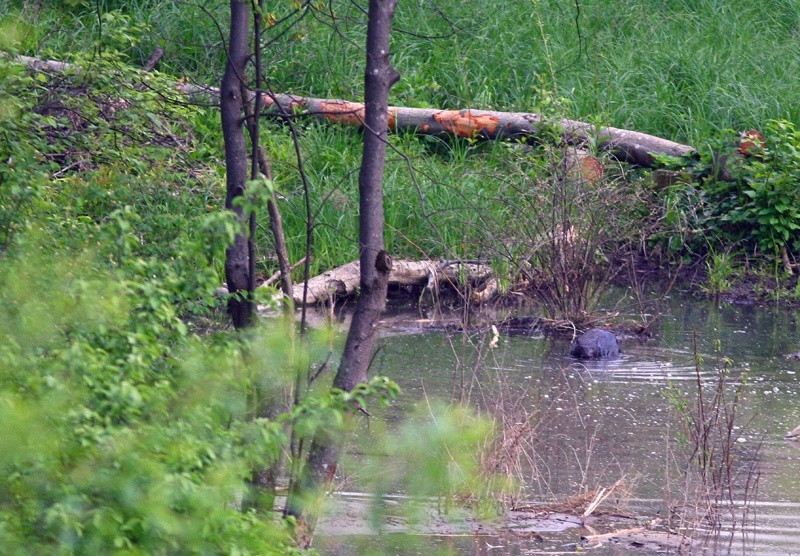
{"x": 598, "y": 422}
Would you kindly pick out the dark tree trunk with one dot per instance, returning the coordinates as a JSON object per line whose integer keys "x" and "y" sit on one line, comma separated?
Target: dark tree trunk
{"x": 237, "y": 258}
{"x": 309, "y": 488}
{"x": 375, "y": 262}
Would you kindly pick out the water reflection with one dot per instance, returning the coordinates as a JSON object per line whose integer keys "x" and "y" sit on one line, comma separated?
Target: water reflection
{"x": 599, "y": 421}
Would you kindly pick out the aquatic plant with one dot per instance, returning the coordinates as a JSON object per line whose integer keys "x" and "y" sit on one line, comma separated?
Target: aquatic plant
{"x": 719, "y": 482}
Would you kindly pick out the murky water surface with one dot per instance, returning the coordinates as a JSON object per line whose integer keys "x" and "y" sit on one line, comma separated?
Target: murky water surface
{"x": 602, "y": 421}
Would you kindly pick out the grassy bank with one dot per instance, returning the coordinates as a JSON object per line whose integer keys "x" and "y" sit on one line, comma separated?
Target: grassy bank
{"x": 681, "y": 71}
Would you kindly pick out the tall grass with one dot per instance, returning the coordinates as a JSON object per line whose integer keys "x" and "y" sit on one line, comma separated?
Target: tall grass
{"x": 682, "y": 69}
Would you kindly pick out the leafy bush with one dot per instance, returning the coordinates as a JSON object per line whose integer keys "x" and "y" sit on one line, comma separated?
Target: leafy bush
{"x": 23, "y": 172}
{"x": 764, "y": 198}
{"x": 749, "y": 194}
{"x": 119, "y": 430}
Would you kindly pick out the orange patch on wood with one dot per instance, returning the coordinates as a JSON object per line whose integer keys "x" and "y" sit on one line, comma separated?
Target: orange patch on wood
{"x": 751, "y": 143}
{"x": 298, "y": 104}
{"x": 343, "y": 112}
{"x": 590, "y": 170}
{"x": 584, "y": 168}
{"x": 267, "y": 100}
{"x": 465, "y": 124}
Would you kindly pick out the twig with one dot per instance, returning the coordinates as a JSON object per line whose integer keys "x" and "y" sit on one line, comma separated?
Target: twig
{"x": 274, "y": 278}
{"x": 600, "y": 497}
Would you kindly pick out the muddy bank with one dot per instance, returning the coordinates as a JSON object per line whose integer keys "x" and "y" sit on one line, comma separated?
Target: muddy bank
{"x": 349, "y": 523}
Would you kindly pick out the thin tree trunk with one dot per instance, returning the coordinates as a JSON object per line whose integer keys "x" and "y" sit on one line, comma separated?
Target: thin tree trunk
{"x": 237, "y": 257}
{"x": 281, "y": 251}
{"x": 375, "y": 265}
{"x": 266, "y": 404}
{"x": 275, "y": 218}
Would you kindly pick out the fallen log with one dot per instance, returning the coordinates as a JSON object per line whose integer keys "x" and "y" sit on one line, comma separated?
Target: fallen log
{"x": 343, "y": 281}
{"x": 629, "y": 146}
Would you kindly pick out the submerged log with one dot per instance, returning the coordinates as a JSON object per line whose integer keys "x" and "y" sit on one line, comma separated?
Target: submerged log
{"x": 343, "y": 281}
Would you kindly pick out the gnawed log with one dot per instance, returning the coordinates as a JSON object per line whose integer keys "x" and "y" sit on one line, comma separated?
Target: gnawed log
{"x": 629, "y": 146}
{"x": 44, "y": 65}
{"x": 343, "y": 281}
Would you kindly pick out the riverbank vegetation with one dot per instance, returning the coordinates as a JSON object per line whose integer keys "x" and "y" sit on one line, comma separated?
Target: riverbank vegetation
{"x": 446, "y": 198}
{"x": 112, "y": 233}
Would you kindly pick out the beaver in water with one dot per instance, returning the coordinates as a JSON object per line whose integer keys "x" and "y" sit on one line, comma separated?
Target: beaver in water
{"x": 595, "y": 344}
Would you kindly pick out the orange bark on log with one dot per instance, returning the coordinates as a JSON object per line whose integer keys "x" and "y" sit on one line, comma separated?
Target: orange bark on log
{"x": 629, "y": 146}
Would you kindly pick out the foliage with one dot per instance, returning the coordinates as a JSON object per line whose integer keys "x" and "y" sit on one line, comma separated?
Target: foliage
{"x": 749, "y": 199}
{"x": 22, "y": 174}
{"x": 433, "y": 456}
{"x": 120, "y": 428}
{"x": 95, "y": 148}
{"x": 764, "y": 199}
{"x": 120, "y": 431}
{"x": 719, "y": 271}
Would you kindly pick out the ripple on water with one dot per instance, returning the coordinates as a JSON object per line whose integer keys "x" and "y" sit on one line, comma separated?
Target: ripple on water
{"x": 603, "y": 419}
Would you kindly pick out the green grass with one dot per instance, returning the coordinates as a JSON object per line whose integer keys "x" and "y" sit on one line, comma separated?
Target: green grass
{"x": 683, "y": 70}
{"x": 432, "y": 190}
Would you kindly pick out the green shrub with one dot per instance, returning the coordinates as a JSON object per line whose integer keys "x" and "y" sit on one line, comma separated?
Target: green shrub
{"x": 747, "y": 199}
{"x": 118, "y": 430}
{"x": 764, "y": 198}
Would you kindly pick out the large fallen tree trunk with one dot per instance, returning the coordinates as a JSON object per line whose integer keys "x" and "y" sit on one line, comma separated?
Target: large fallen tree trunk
{"x": 343, "y": 281}
{"x": 629, "y": 146}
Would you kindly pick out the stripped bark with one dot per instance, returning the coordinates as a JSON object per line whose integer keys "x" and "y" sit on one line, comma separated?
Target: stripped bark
{"x": 629, "y": 146}
{"x": 625, "y": 145}
{"x": 343, "y": 281}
